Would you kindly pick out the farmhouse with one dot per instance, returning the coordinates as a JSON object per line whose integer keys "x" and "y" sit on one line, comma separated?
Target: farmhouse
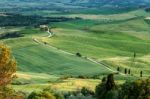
{"x": 44, "y": 27}
{"x": 147, "y": 18}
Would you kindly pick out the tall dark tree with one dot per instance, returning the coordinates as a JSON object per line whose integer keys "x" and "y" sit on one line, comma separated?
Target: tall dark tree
{"x": 141, "y": 74}
{"x": 107, "y": 88}
{"x": 118, "y": 69}
{"x": 110, "y": 84}
{"x": 129, "y": 71}
{"x": 134, "y": 57}
{"x": 125, "y": 70}
{"x": 104, "y": 80}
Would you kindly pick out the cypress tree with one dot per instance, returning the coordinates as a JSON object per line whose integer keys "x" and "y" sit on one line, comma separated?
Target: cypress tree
{"x": 141, "y": 74}
{"x": 118, "y": 69}
{"x": 129, "y": 71}
{"x": 125, "y": 71}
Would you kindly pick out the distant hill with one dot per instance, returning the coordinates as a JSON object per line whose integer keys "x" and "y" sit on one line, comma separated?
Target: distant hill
{"x": 64, "y": 5}
{"x": 105, "y": 2}
{"x": 115, "y": 2}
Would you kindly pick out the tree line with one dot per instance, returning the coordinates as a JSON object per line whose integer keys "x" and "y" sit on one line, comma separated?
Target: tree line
{"x": 10, "y": 19}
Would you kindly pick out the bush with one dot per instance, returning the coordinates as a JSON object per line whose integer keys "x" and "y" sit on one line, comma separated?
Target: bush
{"x": 139, "y": 89}
{"x": 9, "y": 93}
{"x": 41, "y": 95}
{"x": 112, "y": 94}
{"x": 85, "y": 91}
{"x": 17, "y": 82}
{"x": 78, "y": 54}
{"x": 56, "y": 94}
{"x": 82, "y": 77}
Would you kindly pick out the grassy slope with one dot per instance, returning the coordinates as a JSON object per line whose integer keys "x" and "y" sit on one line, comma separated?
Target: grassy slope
{"x": 113, "y": 43}
{"x": 40, "y": 64}
{"x": 38, "y": 58}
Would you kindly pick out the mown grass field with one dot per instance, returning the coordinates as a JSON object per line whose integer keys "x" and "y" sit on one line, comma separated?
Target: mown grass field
{"x": 40, "y": 58}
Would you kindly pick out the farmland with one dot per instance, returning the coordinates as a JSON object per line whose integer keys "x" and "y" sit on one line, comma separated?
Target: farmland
{"x": 84, "y": 48}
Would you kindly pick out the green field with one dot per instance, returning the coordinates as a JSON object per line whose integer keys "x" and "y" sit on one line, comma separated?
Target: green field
{"x": 105, "y": 42}
{"x": 50, "y": 60}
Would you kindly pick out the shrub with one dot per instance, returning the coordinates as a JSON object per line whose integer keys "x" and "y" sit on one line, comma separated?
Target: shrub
{"x": 82, "y": 77}
{"x": 9, "y": 93}
{"x": 139, "y": 89}
{"x": 56, "y": 94}
{"x": 112, "y": 94}
{"x": 78, "y": 54}
{"x": 85, "y": 91}
{"x": 41, "y": 95}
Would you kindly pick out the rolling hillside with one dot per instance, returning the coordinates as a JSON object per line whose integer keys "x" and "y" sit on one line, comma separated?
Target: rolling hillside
{"x": 75, "y": 48}
{"x": 113, "y": 43}
{"x": 39, "y": 58}
{"x": 110, "y": 44}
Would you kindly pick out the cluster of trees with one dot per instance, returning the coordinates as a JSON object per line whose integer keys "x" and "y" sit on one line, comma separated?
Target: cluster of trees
{"x": 138, "y": 89}
{"x": 10, "y": 20}
{"x": 84, "y": 93}
{"x": 11, "y": 35}
{"x": 128, "y": 71}
{"x": 147, "y": 9}
{"x": 107, "y": 89}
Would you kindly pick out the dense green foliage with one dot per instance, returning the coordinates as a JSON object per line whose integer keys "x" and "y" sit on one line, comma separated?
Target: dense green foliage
{"x": 11, "y": 93}
{"x": 107, "y": 89}
{"x": 138, "y": 89}
{"x": 10, "y": 35}
{"x": 41, "y": 95}
{"x": 10, "y": 20}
